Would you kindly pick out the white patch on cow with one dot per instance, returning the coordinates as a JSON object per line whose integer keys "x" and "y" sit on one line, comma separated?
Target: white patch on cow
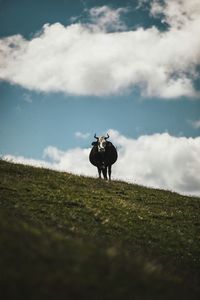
{"x": 102, "y": 143}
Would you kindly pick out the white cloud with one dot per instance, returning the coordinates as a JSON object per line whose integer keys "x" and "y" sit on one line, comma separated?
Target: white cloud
{"x": 27, "y": 98}
{"x": 27, "y": 161}
{"x": 141, "y": 3}
{"x": 158, "y": 160}
{"x": 107, "y": 19}
{"x": 74, "y": 160}
{"x": 81, "y": 135}
{"x": 177, "y": 13}
{"x": 84, "y": 59}
{"x": 195, "y": 124}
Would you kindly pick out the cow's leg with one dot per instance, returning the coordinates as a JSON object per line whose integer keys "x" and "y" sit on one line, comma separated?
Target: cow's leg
{"x": 99, "y": 171}
{"x": 109, "y": 172}
{"x": 105, "y": 173}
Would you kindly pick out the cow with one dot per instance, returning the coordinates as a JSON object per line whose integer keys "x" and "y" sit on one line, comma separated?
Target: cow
{"x": 103, "y": 155}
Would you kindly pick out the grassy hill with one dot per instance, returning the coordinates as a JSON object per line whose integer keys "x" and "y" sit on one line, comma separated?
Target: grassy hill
{"x": 70, "y": 237}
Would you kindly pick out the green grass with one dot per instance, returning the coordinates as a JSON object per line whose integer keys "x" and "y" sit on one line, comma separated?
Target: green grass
{"x": 71, "y": 237}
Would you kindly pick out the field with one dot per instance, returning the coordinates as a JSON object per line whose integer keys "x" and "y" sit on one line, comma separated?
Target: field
{"x": 72, "y": 237}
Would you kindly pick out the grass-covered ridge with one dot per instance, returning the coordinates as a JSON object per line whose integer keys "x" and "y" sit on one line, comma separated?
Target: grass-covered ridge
{"x": 70, "y": 237}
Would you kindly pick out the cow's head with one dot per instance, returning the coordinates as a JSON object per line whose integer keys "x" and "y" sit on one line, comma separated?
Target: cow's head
{"x": 101, "y": 142}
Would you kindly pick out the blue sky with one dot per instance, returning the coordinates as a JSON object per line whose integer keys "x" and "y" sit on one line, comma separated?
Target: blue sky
{"x": 27, "y": 127}
{"x": 147, "y": 93}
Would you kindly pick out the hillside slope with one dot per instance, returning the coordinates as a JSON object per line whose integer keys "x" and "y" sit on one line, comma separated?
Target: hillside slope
{"x": 70, "y": 237}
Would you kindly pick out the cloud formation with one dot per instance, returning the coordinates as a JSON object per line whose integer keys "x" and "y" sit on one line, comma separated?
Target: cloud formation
{"x": 195, "y": 124}
{"x": 86, "y": 59}
{"x": 176, "y": 13}
{"x": 81, "y": 135}
{"x": 107, "y": 19}
{"x": 159, "y": 160}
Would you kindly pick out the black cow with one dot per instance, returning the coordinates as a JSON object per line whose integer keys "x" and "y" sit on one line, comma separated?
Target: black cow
{"x": 103, "y": 155}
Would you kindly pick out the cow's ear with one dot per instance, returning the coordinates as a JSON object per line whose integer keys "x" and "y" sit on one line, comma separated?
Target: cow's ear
{"x": 94, "y": 143}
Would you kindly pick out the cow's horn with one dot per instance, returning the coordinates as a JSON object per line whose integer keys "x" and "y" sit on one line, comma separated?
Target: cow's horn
{"x": 107, "y": 136}
{"x": 95, "y": 136}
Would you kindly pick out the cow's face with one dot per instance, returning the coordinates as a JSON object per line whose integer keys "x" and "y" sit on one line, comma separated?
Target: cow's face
{"x": 102, "y": 144}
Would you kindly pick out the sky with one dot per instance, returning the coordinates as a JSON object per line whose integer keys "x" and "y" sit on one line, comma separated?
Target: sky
{"x": 69, "y": 69}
